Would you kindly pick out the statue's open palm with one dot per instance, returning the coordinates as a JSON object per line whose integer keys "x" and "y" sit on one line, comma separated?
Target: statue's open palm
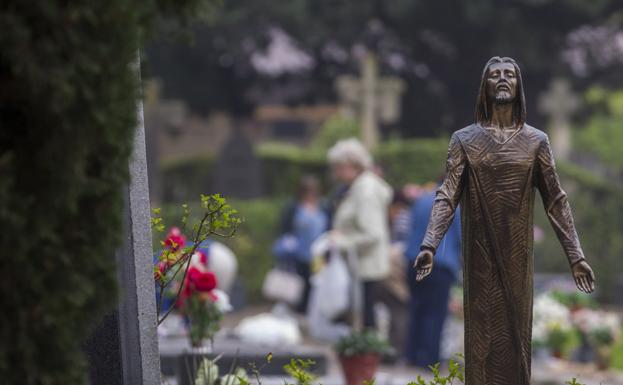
{"x": 584, "y": 277}
{"x": 423, "y": 264}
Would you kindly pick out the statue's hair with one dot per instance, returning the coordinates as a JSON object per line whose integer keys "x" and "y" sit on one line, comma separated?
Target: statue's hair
{"x": 483, "y": 105}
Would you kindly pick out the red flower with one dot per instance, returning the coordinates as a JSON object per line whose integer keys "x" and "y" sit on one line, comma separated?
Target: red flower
{"x": 198, "y": 282}
{"x": 175, "y": 239}
{"x": 201, "y": 281}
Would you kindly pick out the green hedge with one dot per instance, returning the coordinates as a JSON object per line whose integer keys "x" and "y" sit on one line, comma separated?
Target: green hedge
{"x": 283, "y": 165}
{"x": 413, "y": 160}
{"x": 67, "y": 118}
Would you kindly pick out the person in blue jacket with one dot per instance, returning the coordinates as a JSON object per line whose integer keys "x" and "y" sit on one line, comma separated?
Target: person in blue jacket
{"x": 428, "y": 305}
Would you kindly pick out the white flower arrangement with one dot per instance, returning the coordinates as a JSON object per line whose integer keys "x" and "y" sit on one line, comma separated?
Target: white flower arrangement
{"x": 549, "y": 316}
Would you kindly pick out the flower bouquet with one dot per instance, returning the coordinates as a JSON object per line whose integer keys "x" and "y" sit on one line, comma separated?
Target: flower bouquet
{"x": 601, "y": 329}
{"x": 201, "y": 302}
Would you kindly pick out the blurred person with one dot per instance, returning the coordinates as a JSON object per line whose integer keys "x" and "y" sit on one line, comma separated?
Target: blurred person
{"x": 399, "y": 217}
{"x": 395, "y": 294}
{"x": 412, "y": 191}
{"x": 428, "y": 307}
{"x": 360, "y": 221}
{"x": 303, "y": 220}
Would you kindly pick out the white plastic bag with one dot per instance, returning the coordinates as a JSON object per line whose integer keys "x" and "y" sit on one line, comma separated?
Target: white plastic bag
{"x": 269, "y": 330}
{"x": 283, "y": 286}
{"x": 332, "y": 286}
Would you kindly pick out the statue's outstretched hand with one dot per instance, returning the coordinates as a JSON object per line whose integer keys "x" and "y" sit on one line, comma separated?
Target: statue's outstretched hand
{"x": 423, "y": 264}
{"x": 584, "y": 277}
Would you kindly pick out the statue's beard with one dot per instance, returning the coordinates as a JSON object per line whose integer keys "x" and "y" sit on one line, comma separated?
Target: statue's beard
{"x": 503, "y": 97}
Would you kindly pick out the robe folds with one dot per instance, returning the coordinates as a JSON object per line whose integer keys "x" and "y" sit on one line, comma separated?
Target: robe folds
{"x": 495, "y": 183}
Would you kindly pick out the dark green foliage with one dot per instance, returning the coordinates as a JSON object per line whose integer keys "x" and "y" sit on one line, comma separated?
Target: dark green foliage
{"x": 67, "y": 116}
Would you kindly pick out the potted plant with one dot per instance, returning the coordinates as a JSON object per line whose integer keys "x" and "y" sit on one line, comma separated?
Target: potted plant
{"x": 360, "y": 354}
{"x": 558, "y": 338}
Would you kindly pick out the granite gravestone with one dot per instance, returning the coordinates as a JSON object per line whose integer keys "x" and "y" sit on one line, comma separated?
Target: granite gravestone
{"x": 238, "y": 172}
{"x": 123, "y": 349}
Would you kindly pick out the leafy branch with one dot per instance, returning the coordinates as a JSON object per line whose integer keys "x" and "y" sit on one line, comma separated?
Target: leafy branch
{"x": 218, "y": 218}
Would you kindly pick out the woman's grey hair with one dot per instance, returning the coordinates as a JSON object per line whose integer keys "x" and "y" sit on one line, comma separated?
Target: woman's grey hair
{"x": 350, "y": 151}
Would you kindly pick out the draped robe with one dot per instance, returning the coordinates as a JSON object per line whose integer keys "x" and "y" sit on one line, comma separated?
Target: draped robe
{"x": 495, "y": 183}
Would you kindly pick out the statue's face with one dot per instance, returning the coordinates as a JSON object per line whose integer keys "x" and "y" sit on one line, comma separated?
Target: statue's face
{"x": 502, "y": 83}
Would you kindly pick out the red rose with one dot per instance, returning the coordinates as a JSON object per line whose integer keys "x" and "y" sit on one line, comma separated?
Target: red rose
{"x": 201, "y": 281}
{"x": 197, "y": 282}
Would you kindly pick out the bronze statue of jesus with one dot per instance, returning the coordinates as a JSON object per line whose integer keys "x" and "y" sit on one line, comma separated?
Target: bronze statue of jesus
{"x": 493, "y": 168}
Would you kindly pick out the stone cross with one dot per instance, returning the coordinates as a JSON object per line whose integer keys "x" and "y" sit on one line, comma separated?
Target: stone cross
{"x": 559, "y": 103}
{"x": 370, "y": 99}
{"x": 123, "y": 349}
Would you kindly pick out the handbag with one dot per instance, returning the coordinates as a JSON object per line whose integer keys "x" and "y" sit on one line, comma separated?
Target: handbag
{"x": 283, "y": 286}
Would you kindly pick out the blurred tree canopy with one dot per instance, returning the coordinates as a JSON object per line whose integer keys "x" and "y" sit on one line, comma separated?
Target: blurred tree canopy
{"x": 438, "y": 47}
{"x": 602, "y": 134}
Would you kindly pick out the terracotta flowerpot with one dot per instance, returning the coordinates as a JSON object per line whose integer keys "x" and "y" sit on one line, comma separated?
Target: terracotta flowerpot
{"x": 360, "y": 367}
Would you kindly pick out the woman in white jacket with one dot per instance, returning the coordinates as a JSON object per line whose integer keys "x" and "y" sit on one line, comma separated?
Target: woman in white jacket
{"x": 360, "y": 223}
